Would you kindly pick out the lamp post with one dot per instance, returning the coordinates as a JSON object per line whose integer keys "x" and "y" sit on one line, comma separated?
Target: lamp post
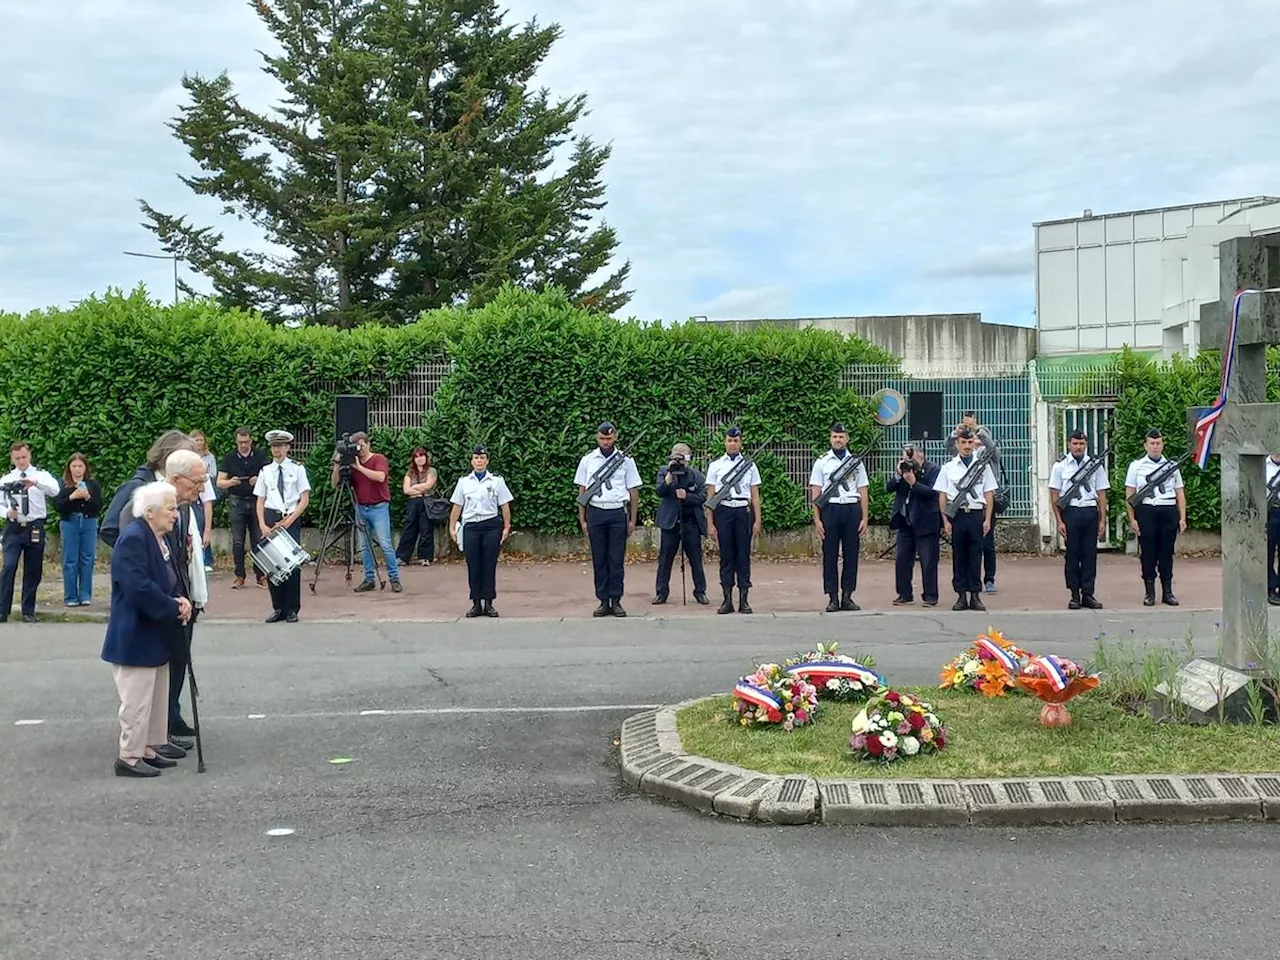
{"x": 161, "y": 256}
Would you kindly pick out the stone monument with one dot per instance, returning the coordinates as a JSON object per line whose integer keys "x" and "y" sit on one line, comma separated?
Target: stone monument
{"x": 1248, "y": 430}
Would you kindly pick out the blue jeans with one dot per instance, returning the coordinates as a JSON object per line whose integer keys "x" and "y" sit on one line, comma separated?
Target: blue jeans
{"x": 79, "y": 547}
{"x": 377, "y": 520}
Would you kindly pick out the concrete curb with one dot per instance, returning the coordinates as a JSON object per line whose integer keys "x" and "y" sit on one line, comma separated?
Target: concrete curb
{"x": 654, "y": 761}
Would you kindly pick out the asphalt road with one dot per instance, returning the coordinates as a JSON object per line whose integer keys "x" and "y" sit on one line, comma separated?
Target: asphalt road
{"x": 482, "y": 814}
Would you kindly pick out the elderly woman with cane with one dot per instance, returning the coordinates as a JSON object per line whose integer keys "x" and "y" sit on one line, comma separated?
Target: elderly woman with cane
{"x": 145, "y": 624}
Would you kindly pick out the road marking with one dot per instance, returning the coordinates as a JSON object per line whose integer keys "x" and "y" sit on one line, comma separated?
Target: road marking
{"x": 257, "y": 716}
{"x": 27, "y": 723}
{"x": 280, "y": 831}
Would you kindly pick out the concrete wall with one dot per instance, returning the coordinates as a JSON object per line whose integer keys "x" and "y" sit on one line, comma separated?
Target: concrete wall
{"x": 929, "y": 344}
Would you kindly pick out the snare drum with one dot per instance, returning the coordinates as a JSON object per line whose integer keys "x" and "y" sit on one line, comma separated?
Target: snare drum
{"x": 279, "y": 555}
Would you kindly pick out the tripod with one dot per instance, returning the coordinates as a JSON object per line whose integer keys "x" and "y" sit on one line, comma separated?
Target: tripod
{"x": 344, "y": 521}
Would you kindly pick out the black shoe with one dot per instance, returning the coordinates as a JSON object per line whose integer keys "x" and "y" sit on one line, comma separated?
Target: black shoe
{"x": 275, "y": 617}
{"x": 658, "y": 599}
{"x": 4, "y": 618}
{"x": 182, "y": 743}
{"x": 903, "y": 601}
{"x": 135, "y": 770}
{"x": 603, "y": 610}
{"x": 616, "y": 608}
{"x": 847, "y": 603}
{"x": 743, "y": 606}
{"x": 160, "y": 763}
{"x": 833, "y": 605}
{"x": 1167, "y": 597}
{"x": 1149, "y": 598}
{"x": 1274, "y": 599}
{"x": 366, "y": 586}
{"x": 170, "y": 752}
{"x": 931, "y": 603}
{"x": 396, "y": 587}
{"x": 1074, "y": 602}
{"x": 702, "y": 599}
{"x": 975, "y": 603}
{"x": 476, "y": 610}
{"x": 28, "y": 617}
{"x": 488, "y": 609}
{"x": 726, "y": 605}
{"x": 962, "y": 603}
{"x": 181, "y": 729}
{"x": 291, "y": 616}
{"x": 1090, "y": 601}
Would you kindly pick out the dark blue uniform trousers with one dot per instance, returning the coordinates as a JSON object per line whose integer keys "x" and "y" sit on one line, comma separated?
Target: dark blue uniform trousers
{"x": 481, "y": 543}
{"x": 840, "y": 523}
{"x": 909, "y": 547}
{"x": 25, "y": 543}
{"x": 1157, "y": 531}
{"x": 733, "y": 528}
{"x": 1082, "y": 548}
{"x": 966, "y": 552}
{"x": 1273, "y": 550}
{"x": 607, "y": 534}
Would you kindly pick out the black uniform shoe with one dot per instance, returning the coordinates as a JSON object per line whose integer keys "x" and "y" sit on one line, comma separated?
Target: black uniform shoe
{"x": 476, "y": 610}
{"x": 1074, "y": 602}
{"x": 962, "y": 603}
{"x": 975, "y": 602}
{"x": 276, "y": 616}
{"x": 488, "y": 609}
{"x": 833, "y": 605}
{"x": 616, "y": 608}
{"x": 1274, "y": 599}
{"x": 1149, "y": 599}
{"x": 903, "y": 601}
{"x": 1090, "y": 601}
{"x": 659, "y": 599}
{"x": 702, "y": 599}
{"x": 603, "y": 610}
{"x": 743, "y": 606}
{"x": 847, "y": 603}
{"x": 28, "y": 617}
{"x": 135, "y": 770}
{"x": 1166, "y": 595}
{"x": 291, "y": 616}
{"x": 726, "y": 606}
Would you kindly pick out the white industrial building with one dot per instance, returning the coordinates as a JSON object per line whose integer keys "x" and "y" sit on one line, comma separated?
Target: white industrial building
{"x": 1136, "y": 279}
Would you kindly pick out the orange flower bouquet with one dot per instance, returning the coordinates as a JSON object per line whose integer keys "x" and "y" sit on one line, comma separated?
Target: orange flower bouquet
{"x": 1054, "y": 681}
{"x": 989, "y": 666}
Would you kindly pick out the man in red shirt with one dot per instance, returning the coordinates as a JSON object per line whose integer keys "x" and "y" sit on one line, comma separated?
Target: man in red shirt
{"x": 373, "y": 502}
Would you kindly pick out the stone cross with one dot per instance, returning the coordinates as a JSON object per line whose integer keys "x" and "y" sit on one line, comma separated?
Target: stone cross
{"x": 1247, "y": 432}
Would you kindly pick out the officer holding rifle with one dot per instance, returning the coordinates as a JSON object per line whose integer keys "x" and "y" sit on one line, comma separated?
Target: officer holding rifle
{"x": 966, "y": 486}
{"x": 839, "y": 517}
{"x": 1078, "y": 495}
{"x": 735, "y": 518}
{"x": 608, "y": 497}
{"x": 1157, "y": 506}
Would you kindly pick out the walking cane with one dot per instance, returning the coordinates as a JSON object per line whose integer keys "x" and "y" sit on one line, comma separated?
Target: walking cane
{"x": 195, "y": 696}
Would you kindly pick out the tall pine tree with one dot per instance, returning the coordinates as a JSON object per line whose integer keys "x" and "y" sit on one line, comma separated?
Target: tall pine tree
{"x": 408, "y": 166}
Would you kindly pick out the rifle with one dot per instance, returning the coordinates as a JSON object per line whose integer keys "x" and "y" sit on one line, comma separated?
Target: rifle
{"x": 731, "y": 478}
{"x": 1158, "y": 478}
{"x": 967, "y": 482}
{"x": 607, "y": 470}
{"x": 840, "y": 478}
{"x": 1273, "y": 492}
{"x": 1082, "y": 476}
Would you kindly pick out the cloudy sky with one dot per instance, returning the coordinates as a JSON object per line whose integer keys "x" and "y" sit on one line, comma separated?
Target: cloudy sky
{"x": 798, "y": 158}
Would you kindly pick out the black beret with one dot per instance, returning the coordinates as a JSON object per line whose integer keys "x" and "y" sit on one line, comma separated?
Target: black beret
{"x": 1154, "y": 434}
{"x": 479, "y": 450}
{"x": 605, "y": 428}
{"x": 733, "y": 432}
{"x": 838, "y": 427}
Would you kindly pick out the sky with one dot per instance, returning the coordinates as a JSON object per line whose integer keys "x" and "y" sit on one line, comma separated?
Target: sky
{"x": 801, "y": 159}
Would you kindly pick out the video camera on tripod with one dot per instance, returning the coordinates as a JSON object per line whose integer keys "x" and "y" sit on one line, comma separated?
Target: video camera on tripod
{"x": 345, "y": 451}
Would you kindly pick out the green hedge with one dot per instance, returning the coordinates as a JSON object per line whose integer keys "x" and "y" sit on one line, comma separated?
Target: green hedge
{"x": 532, "y": 377}
{"x": 1154, "y": 393}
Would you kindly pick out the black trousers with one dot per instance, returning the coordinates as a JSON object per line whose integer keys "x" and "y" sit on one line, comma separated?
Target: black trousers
{"x": 989, "y": 553}
{"x": 1273, "y": 549}
{"x": 966, "y": 552}
{"x": 1157, "y": 531}
{"x": 419, "y": 530}
{"x": 733, "y": 533}
{"x": 909, "y": 547}
{"x": 286, "y": 597}
{"x": 1082, "y": 548}
{"x": 840, "y": 523}
{"x": 178, "y": 661}
{"x": 481, "y": 543}
{"x": 25, "y": 544}
{"x": 607, "y": 534}
{"x": 688, "y": 535}
{"x": 244, "y": 523}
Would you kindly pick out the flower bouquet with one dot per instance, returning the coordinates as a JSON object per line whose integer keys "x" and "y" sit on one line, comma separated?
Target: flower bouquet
{"x": 990, "y": 666}
{"x": 774, "y": 697}
{"x": 1053, "y": 681}
{"x": 895, "y": 725}
{"x": 836, "y": 676}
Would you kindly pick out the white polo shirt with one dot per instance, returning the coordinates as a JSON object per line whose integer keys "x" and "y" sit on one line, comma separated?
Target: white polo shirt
{"x": 1065, "y": 470}
{"x": 953, "y": 472}
{"x": 1161, "y": 496}
{"x": 616, "y": 492}
{"x": 480, "y": 498}
{"x": 740, "y": 495}
{"x": 295, "y": 484}
{"x": 826, "y": 466}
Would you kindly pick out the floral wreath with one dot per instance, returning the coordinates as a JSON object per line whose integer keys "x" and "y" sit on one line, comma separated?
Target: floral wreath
{"x": 772, "y": 696}
{"x": 894, "y": 725}
{"x": 990, "y": 666}
{"x": 1055, "y": 680}
{"x": 836, "y": 676}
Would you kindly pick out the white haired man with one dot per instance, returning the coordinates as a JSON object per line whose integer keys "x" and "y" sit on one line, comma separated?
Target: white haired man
{"x": 186, "y": 470}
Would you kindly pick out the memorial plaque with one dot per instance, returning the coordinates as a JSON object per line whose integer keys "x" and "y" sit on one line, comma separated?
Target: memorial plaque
{"x": 1204, "y": 691}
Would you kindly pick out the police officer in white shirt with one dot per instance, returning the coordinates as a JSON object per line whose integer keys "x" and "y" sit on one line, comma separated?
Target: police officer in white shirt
{"x": 1273, "y": 528}
{"x": 1158, "y": 519}
{"x": 608, "y": 518}
{"x": 841, "y": 522}
{"x": 735, "y": 521}
{"x": 282, "y": 494}
{"x": 480, "y": 523}
{"x": 972, "y": 522}
{"x": 1082, "y": 522}
{"x": 23, "y": 491}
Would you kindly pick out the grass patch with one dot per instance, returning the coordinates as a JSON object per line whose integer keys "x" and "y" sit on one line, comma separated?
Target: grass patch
{"x": 999, "y": 737}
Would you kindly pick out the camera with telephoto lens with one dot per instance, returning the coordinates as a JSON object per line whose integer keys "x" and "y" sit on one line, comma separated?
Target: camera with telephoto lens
{"x": 13, "y": 488}
{"x": 345, "y": 450}
{"x": 908, "y": 464}
{"x": 677, "y": 468}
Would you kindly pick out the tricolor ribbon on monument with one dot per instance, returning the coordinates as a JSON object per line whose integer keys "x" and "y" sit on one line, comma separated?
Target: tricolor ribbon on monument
{"x": 835, "y": 668}
{"x": 1053, "y": 671}
{"x": 757, "y": 695}
{"x": 1206, "y": 424}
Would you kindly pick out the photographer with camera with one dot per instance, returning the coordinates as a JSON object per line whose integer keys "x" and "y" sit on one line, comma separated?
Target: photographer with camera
{"x": 23, "y": 493}
{"x": 683, "y": 522}
{"x": 918, "y": 523}
{"x": 355, "y": 462}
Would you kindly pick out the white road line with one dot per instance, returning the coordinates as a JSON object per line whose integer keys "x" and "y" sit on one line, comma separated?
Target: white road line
{"x": 27, "y": 723}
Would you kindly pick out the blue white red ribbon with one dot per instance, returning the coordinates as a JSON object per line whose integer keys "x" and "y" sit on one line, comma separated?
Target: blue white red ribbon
{"x": 1053, "y": 671}
{"x": 1206, "y": 424}
{"x": 999, "y": 653}
{"x": 757, "y": 695}
{"x": 836, "y": 668}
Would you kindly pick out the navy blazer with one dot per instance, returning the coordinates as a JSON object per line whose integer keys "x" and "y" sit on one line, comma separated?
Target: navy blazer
{"x": 669, "y": 505}
{"x": 923, "y": 515}
{"x": 143, "y": 625}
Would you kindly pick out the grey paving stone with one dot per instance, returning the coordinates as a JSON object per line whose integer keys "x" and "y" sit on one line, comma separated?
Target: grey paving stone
{"x": 743, "y": 800}
{"x": 1267, "y": 786}
{"x": 1182, "y": 799}
{"x": 792, "y": 799}
{"x": 888, "y": 803}
{"x": 1043, "y": 800}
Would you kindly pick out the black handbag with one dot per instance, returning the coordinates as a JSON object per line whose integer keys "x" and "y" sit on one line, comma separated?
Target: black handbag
{"x": 437, "y": 507}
